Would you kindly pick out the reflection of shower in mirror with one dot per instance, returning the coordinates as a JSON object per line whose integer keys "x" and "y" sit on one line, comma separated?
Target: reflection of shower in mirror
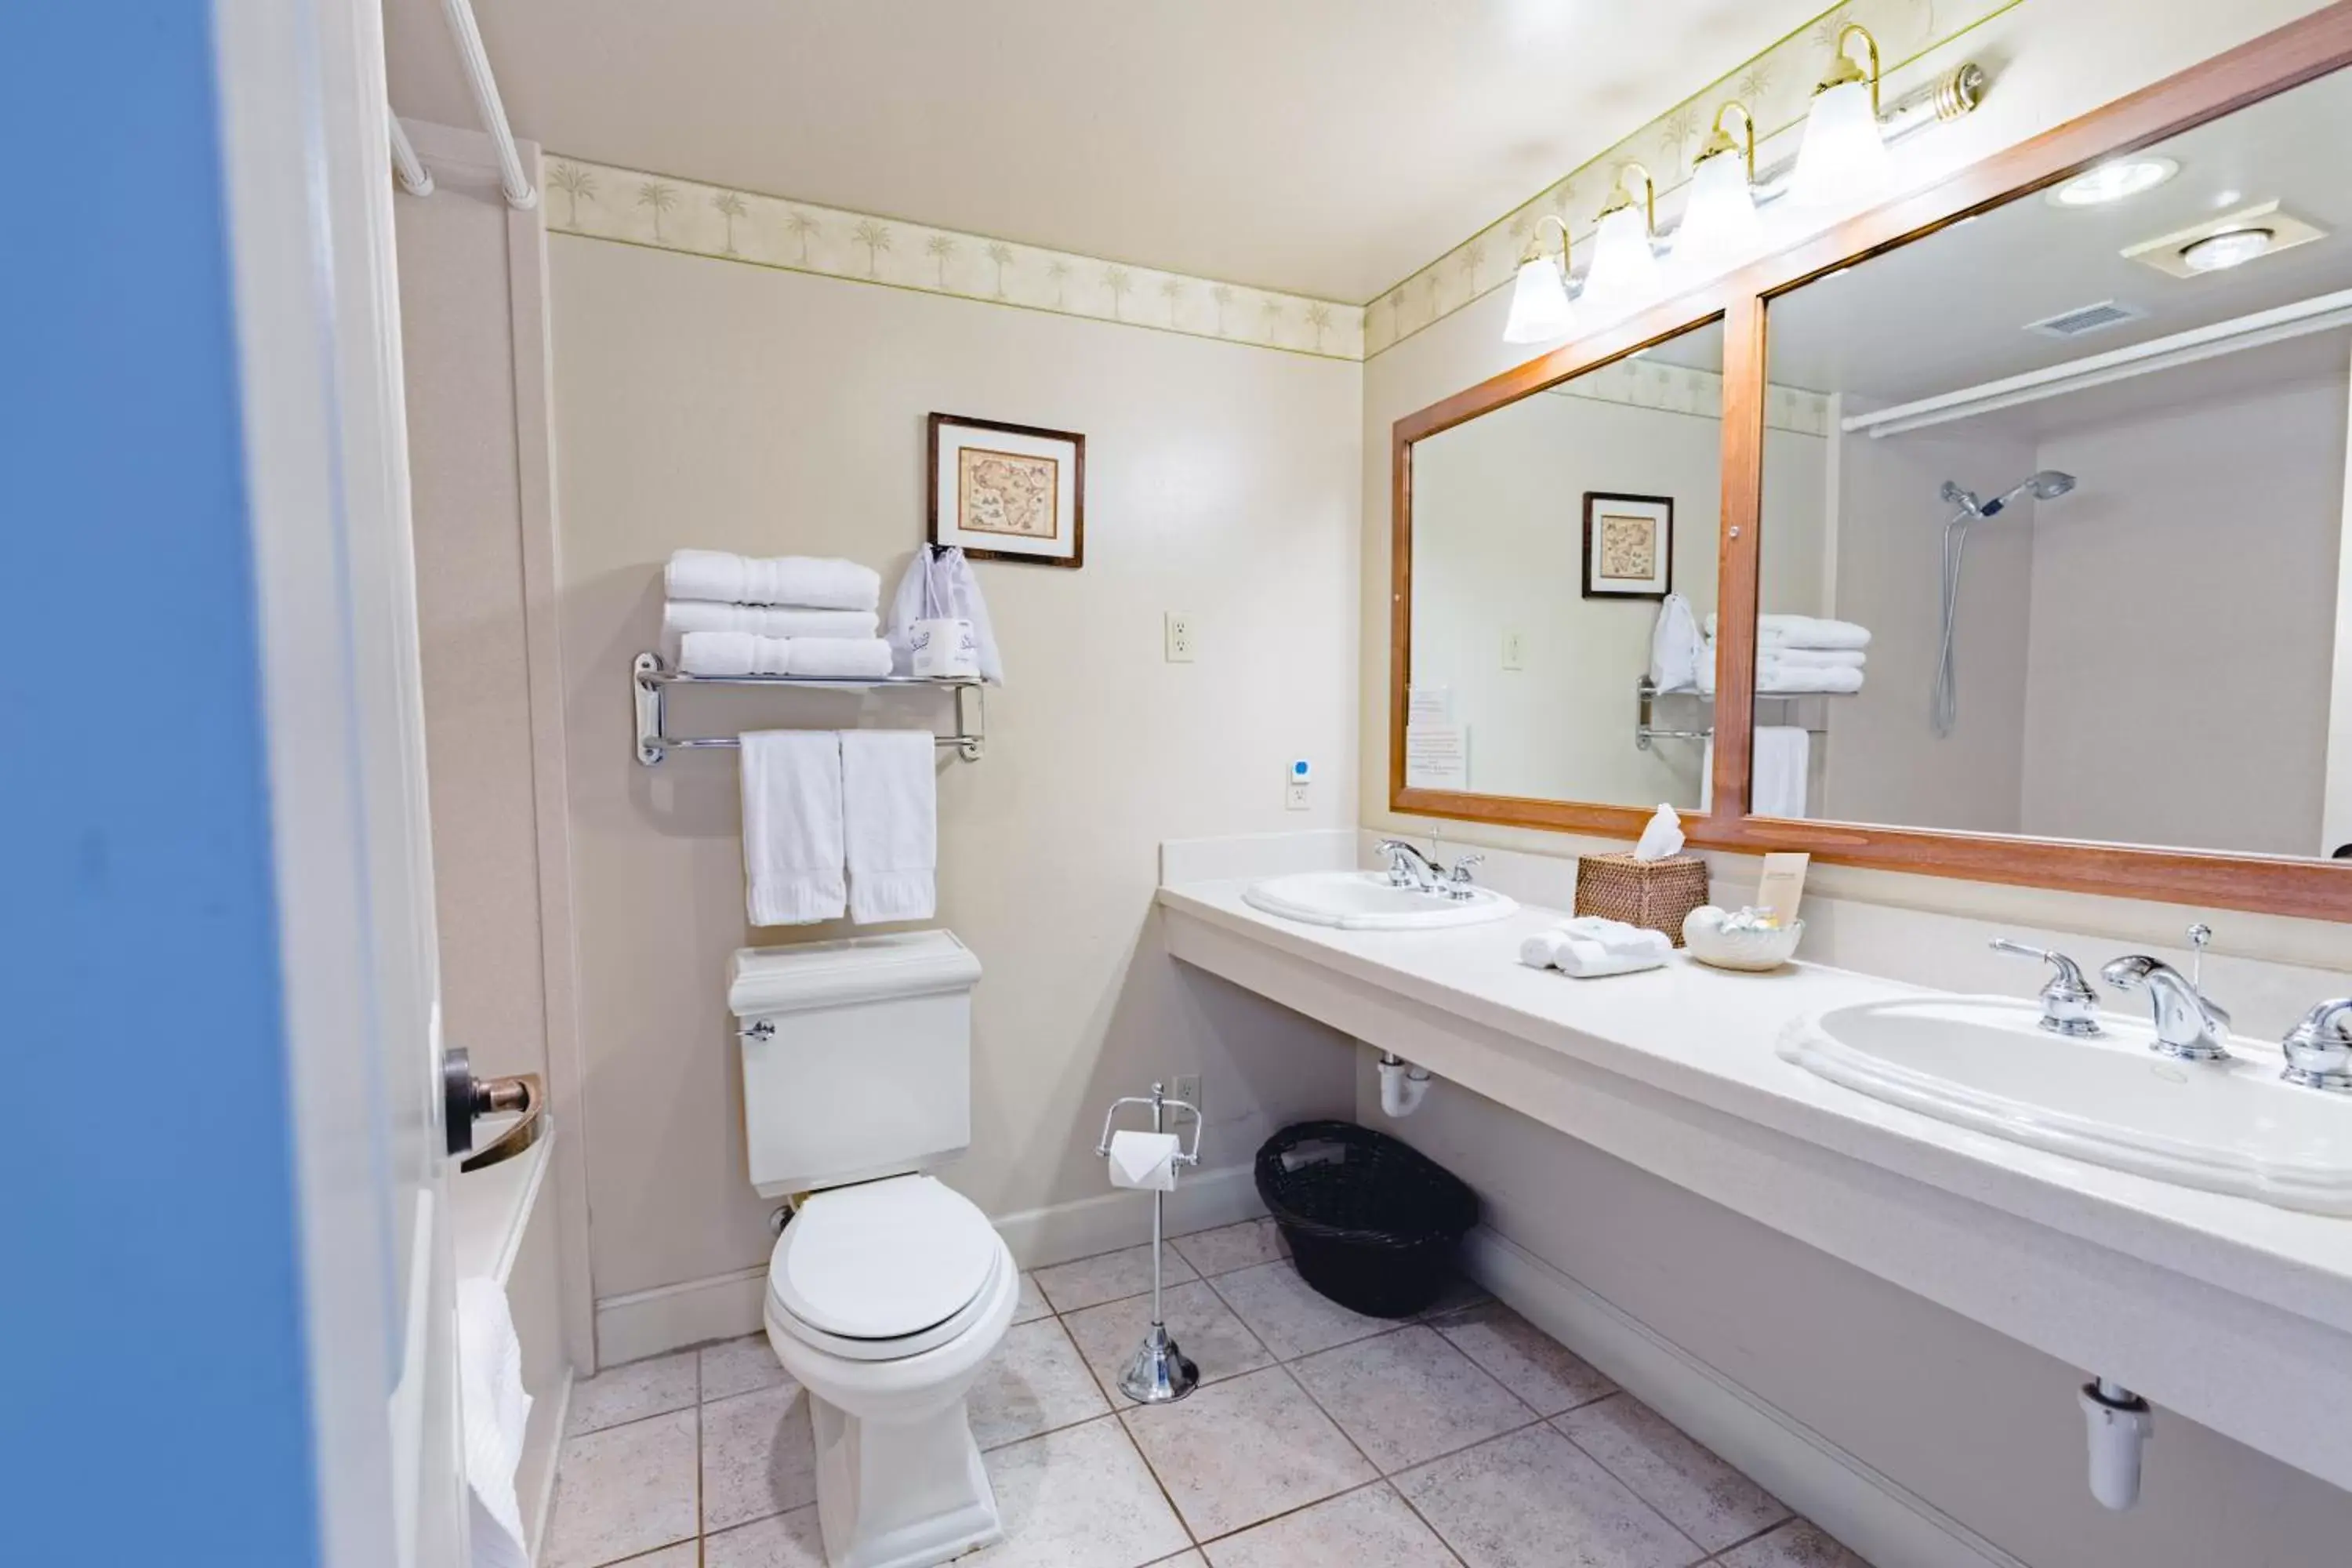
{"x": 2047, "y": 484}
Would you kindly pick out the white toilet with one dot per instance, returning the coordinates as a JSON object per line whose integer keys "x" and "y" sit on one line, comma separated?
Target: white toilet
{"x": 887, "y": 1291}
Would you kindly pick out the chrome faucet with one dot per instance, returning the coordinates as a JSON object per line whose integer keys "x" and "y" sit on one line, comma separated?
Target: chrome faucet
{"x": 1409, "y": 868}
{"x": 2319, "y": 1049}
{"x": 2189, "y": 1025}
{"x": 2069, "y": 1006}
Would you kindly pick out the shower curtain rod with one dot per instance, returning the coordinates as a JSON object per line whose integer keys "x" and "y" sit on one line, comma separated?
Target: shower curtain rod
{"x": 2319, "y": 313}
{"x": 467, "y": 34}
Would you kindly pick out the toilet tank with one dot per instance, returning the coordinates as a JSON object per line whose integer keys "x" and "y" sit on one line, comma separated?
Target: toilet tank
{"x": 856, "y": 1058}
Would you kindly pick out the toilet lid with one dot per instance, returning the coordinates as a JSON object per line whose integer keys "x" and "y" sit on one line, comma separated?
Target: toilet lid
{"x": 883, "y": 1260}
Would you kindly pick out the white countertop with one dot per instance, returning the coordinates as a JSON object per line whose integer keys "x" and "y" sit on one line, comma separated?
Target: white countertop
{"x": 1710, "y": 1036}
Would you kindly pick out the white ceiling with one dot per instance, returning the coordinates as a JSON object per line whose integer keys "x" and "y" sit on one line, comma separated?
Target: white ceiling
{"x": 1322, "y": 147}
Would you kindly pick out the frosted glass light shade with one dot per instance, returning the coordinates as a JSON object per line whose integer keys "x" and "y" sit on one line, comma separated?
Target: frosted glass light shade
{"x": 1843, "y": 162}
{"x": 1720, "y": 229}
{"x": 1540, "y": 308}
{"x": 1624, "y": 275}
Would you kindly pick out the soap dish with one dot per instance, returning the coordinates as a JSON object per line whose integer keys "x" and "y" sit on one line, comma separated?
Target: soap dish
{"x": 1753, "y": 951}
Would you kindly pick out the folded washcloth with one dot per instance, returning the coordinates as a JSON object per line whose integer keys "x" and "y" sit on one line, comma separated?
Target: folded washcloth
{"x": 805, "y": 581}
{"x": 732, "y": 653}
{"x": 890, "y": 784}
{"x": 791, "y": 827}
{"x": 1804, "y": 631}
{"x": 837, "y": 659}
{"x": 1775, "y": 655}
{"x": 1589, "y": 947}
{"x": 680, "y": 617}
{"x": 1796, "y": 680}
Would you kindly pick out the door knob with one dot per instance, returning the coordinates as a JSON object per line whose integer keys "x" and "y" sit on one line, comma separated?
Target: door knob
{"x": 465, "y": 1098}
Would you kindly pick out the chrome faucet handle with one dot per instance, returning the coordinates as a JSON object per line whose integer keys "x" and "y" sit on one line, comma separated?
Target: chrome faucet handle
{"x": 2189, "y": 1025}
{"x": 1458, "y": 884}
{"x": 2319, "y": 1049}
{"x": 2069, "y": 1006}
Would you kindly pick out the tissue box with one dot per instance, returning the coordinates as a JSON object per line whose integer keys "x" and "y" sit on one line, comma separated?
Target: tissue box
{"x": 1654, "y": 894}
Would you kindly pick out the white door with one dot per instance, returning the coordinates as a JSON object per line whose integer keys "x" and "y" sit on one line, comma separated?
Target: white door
{"x": 304, "y": 154}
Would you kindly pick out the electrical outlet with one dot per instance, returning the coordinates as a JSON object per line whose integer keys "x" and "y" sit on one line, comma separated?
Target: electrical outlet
{"x": 1294, "y": 797}
{"x": 1188, "y": 1089}
{"x": 1179, "y": 637}
{"x": 1515, "y": 651}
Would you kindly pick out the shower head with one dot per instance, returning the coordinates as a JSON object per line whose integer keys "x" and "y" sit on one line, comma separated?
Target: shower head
{"x": 2047, "y": 484}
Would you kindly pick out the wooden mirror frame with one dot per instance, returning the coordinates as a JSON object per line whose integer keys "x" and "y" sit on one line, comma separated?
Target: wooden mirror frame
{"x": 2300, "y": 52}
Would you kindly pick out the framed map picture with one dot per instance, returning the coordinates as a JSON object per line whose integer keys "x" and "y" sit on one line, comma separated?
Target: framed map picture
{"x": 1008, "y": 492}
{"x": 1629, "y": 546}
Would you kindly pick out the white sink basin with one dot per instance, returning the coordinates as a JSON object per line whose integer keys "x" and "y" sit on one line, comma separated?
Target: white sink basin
{"x": 1364, "y": 901}
{"x": 1982, "y": 1062}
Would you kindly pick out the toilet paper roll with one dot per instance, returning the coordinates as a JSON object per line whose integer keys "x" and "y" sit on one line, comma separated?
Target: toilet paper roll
{"x": 1144, "y": 1161}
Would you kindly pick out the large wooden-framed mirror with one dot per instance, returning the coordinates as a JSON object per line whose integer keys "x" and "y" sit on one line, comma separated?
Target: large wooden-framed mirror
{"x": 2008, "y": 527}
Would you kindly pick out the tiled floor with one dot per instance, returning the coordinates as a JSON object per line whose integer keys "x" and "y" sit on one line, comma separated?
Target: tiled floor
{"x": 1466, "y": 1440}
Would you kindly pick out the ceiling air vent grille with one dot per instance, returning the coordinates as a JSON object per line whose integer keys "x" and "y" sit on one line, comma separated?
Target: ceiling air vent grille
{"x": 2086, "y": 319}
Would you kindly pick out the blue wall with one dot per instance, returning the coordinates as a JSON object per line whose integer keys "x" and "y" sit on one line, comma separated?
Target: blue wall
{"x": 154, "y": 1406}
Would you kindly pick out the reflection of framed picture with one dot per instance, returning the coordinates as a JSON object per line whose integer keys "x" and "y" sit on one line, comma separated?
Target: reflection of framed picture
{"x": 1008, "y": 492}
{"x": 1629, "y": 546}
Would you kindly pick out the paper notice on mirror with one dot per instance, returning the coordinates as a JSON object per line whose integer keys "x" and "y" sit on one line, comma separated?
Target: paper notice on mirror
{"x": 1428, "y": 705}
{"x": 1436, "y": 756}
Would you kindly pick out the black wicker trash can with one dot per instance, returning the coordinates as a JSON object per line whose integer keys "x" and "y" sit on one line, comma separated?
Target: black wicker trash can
{"x": 1371, "y": 1222}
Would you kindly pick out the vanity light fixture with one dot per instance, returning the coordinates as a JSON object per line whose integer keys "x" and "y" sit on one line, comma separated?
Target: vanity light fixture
{"x": 1844, "y": 161}
{"x": 2112, "y": 181}
{"x": 1624, "y": 275}
{"x": 1719, "y": 228}
{"x": 2230, "y": 247}
{"x": 1539, "y": 309}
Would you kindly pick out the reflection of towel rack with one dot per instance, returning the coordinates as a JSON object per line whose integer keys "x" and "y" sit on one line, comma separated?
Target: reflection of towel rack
{"x": 1646, "y": 692}
{"x": 651, "y": 681}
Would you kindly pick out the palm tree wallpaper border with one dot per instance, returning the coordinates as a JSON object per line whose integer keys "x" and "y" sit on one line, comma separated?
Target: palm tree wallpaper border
{"x": 601, "y": 202}
{"x": 1917, "y": 37}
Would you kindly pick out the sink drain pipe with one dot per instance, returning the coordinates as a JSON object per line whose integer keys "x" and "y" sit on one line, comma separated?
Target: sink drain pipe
{"x": 2120, "y": 1426}
{"x": 1402, "y": 1085}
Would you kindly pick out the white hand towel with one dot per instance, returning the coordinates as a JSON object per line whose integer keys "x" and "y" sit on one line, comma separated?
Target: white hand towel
{"x": 1675, "y": 646}
{"x": 806, "y": 581}
{"x": 732, "y": 653}
{"x": 1581, "y": 958}
{"x": 1780, "y": 654}
{"x": 680, "y": 617}
{"x": 939, "y": 582}
{"x": 1804, "y": 631}
{"x": 1783, "y": 758}
{"x": 837, "y": 659}
{"x": 1619, "y": 938}
{"x": 1792, "y": 679}
{"x": 495, "y": 1410}
{"x": 889, "y": 781}
{"x": 791, "y": 827}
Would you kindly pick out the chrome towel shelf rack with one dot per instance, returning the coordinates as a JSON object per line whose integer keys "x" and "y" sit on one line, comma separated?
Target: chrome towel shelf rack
{"x": 650, "y": 682}
{"x": 1646, "y": 693}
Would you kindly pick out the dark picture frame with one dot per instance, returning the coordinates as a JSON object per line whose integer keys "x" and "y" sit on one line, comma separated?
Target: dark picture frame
{"x": 1031, "y": 464}
{"x": 1660, "y": 510}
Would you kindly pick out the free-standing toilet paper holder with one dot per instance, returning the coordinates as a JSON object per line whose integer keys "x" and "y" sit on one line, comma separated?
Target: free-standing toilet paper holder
{"x": 1158, "y": 1371}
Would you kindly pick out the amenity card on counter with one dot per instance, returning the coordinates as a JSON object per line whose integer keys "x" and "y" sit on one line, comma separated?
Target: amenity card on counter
{"x": 1436, "y": 756}
{"x": 1783, "y": 885}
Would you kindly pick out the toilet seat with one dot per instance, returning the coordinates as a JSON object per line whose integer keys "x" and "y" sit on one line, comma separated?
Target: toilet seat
{"x": 884, "y": 1269}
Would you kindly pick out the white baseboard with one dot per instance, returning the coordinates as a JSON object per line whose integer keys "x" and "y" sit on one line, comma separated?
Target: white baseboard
{"x": 724, "y": 1306}
{"x": 1110, "y": 1221}
{"x": 1874, "y": 1515}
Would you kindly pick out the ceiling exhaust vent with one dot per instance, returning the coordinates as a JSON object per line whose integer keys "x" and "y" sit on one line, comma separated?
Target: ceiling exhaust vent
{"x": 2086, "y": 319}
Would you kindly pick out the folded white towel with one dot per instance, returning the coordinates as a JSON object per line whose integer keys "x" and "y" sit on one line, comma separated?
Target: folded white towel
{"x": 1804, "y": 631}
{"x": 680, "y": 617}
{"x": 837, "y": 659}
{"x": 1782, "y": 757}
{"x": 1586, "y": 958}
{"x": 1796, "y": 680}
{"x": 1675, "y": 646}
{"x": 1776, "y": 655}
{"x": 732, "y": 653}
{"x": 890, "y": 786}
{"x": 806, "y": 581}
{"x": 791, "y": 827}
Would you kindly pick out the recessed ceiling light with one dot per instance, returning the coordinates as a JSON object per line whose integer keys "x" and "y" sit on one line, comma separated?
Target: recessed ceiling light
{"x": 2230, "y": 247}
{"x": 2112, "y": 182}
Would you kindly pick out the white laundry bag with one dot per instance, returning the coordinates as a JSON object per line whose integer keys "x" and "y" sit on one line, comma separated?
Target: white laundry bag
{"x": 938, "y": 623}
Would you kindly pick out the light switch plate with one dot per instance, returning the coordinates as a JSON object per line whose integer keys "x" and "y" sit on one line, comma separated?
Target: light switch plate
{"x": 1515, "y": 651}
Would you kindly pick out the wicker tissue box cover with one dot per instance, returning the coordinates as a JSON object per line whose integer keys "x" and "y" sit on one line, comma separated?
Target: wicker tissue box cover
{"x": 1654, "y": 894}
